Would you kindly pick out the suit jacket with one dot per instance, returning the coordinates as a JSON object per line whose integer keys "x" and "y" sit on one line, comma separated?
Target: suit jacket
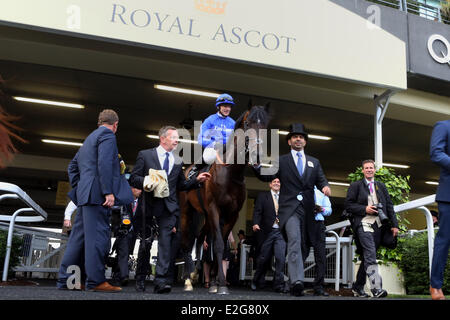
{"x": 95, "y": 171}
{"x": 356, "y": 202}
{"x": 148, "y": 159}
{"x": 264, "y": 213}
{"x": 292, "y": 185}
{"x": 440, "y": 154}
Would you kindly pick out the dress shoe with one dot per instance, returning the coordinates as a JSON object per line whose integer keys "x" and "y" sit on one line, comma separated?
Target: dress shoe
{"x": 253, "y": 286}
{"x": 297, "y": 289}
{"x": 320, "y": 292}
{"x": 359, "y": 292}
{"x": 140, "y": 285}
{"x": 436, "y": 294}
{"x": 162, "y": 289}
{"x": 105, "y": 287}
{"x": 379, "y": 293}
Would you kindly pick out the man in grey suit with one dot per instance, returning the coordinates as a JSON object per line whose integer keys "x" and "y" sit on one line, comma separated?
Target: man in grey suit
{"x": 440, "y": 155}
{"x": 167, "y": 209}
{"x": 298, "y": 174}
{"x": 97, "y": 184}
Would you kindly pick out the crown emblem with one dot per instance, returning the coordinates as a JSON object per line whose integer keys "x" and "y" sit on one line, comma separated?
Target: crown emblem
{"x": 211, "y": 6}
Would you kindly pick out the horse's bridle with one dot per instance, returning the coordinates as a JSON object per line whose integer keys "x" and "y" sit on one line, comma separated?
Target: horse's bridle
{"x": 258, "y": 141}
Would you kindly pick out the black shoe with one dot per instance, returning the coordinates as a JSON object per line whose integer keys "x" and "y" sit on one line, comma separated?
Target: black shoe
{"x": 124, "y": 282}
{"x": 320, "y": 292}
{"x": 162, "y": 289}
{"x": 359, "y": 292}
{"x": 140, "y": 285}
{"x": 297, "y": 289}
{"x": 282, "y": 289}
{"x": 253, "y": 286}
{"x": 379, "y": 293}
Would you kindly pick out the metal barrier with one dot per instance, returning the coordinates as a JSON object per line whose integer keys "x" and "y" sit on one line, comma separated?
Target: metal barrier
{"x": 414, "y": 7}
{"x": 11, "y": 191}
{"x": 339, "y": 268}
{"x": 420, "y": 204}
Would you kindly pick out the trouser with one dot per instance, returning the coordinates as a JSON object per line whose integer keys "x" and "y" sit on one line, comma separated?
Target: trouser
{"x": 274, "y": 244}
{"x": 317, "y": 241}
{"x": 441, "y": 246}
{"x": 122, "y": 245}
{"x": 166, "y": 250}
{"x": 143, "y": 260}
{"x": 294, "y": 246}
{"x": 91, "y": 234}
{"x": 369, "y": 242}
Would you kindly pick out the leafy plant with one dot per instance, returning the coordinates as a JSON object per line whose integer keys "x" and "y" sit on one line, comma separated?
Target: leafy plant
{"x": 398, "y": 189}
{"x": 16, "y": 250}
{"x": 445, "y": 11}
{"x": 415, "y": 265}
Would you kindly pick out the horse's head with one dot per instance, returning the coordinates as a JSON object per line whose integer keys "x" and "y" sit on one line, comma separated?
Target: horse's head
{"x": 251, "y": 123}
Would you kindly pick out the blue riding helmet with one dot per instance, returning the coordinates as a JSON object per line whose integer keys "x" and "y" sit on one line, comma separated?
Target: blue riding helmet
{"x": 224, "y": 98}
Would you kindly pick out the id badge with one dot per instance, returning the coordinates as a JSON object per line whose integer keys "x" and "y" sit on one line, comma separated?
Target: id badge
{"x": 299, "y": 197}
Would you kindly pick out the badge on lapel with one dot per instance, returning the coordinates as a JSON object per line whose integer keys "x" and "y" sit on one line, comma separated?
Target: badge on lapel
{"x": 310, "y": 164}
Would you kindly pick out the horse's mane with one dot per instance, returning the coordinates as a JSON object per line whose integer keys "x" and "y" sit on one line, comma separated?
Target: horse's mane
{"x": 255, "y": 113}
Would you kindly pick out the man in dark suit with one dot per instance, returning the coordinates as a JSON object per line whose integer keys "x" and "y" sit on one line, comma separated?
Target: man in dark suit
{"x": 369, "y": 230}
{"x": 265, "y": 221}
{"x": 165, "y": 209}
{"x": 440, "y": 154}
{"x": 97, "y": 184}
{"x": 125, "y": 236}
{"x": 298, "y": 174}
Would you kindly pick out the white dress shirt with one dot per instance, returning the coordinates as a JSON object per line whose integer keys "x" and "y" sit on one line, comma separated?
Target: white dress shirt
{"x": 162, "y": 156}
{"x": 295, "y": 157}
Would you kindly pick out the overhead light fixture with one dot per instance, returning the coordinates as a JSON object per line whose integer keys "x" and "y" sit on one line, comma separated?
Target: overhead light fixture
{"x": 393, "y": 165}
{"x": 339, "y": 183}
{"x": 77, "y": 144}
{"x": 312, "y": 136}
{"x": 154, "y": 136}
{"x": 434, "y": 183}
{"x": 187, "y": 91}
{"x": 50, "y": 102}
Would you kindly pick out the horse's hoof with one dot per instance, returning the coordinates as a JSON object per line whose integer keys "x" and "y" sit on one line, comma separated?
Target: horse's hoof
{"x": 223, "y": 290}
{"x": 212, "y": 289}
{"x": 188, "y": 286}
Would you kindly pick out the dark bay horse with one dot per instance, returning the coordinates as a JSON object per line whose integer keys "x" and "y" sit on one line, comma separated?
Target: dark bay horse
{"x": 221, "y": 197}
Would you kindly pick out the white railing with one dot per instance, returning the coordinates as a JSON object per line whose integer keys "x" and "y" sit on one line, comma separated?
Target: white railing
{"x": 334, "y": 246}
{"x": 11, "y": 191}
{"x": 420, "y": 205}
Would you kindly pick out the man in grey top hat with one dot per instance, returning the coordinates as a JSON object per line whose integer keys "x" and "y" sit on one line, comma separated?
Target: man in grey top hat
{"x": 298, "y": 174}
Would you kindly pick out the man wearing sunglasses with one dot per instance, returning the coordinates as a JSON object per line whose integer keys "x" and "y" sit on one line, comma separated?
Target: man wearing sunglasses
{"x": 214, "y": 132}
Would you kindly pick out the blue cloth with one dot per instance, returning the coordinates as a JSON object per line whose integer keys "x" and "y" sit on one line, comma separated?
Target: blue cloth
{"x": 215, "y": 129}
{"x": 323, "y": 201}
{"x": 166, "y": 164}
{"x": 300, "y": 164}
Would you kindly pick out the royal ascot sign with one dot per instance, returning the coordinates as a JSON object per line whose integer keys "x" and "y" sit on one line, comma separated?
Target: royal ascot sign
{"x": 315, "y": 37}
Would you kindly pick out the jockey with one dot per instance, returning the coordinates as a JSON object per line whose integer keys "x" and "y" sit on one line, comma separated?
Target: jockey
{"x": 215, "y": 130}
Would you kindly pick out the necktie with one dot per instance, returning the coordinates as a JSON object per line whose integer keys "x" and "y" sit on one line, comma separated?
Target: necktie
{"x": 166, "y": 164}
{"x": 371, "y": 186}
{"x": 275, "y": 197}
{"x": 134, "y": 206}
{"x": 300, "y": 164}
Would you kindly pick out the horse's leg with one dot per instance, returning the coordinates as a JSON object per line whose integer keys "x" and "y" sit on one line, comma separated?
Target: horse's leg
{"x": 218, "y": 246}
{"x": 187, "y": 240}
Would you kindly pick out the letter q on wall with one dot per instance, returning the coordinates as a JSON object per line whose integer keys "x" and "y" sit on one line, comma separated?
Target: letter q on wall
{"x": 445, "y": 58}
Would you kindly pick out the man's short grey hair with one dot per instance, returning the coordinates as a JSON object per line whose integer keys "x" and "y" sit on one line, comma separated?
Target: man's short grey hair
{"x": 163, "y": 131}
{"x": 107, "y": 116}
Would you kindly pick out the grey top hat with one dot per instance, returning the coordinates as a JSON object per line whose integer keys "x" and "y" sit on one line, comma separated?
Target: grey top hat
{"x": 297, "y": 128}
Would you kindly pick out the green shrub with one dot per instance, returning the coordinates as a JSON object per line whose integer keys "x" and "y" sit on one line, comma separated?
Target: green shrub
{"x": 16, "y": 250}
{"x": 415, "y": 266}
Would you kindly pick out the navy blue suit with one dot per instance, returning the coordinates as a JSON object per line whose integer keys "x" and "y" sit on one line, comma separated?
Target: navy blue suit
{"x": 166, "y": 210}
{"x": 440, "y": 154}
{"x": 94, "y": 172}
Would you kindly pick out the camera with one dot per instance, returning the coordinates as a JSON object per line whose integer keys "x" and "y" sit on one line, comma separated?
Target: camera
{"x": 383, "y": 217}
